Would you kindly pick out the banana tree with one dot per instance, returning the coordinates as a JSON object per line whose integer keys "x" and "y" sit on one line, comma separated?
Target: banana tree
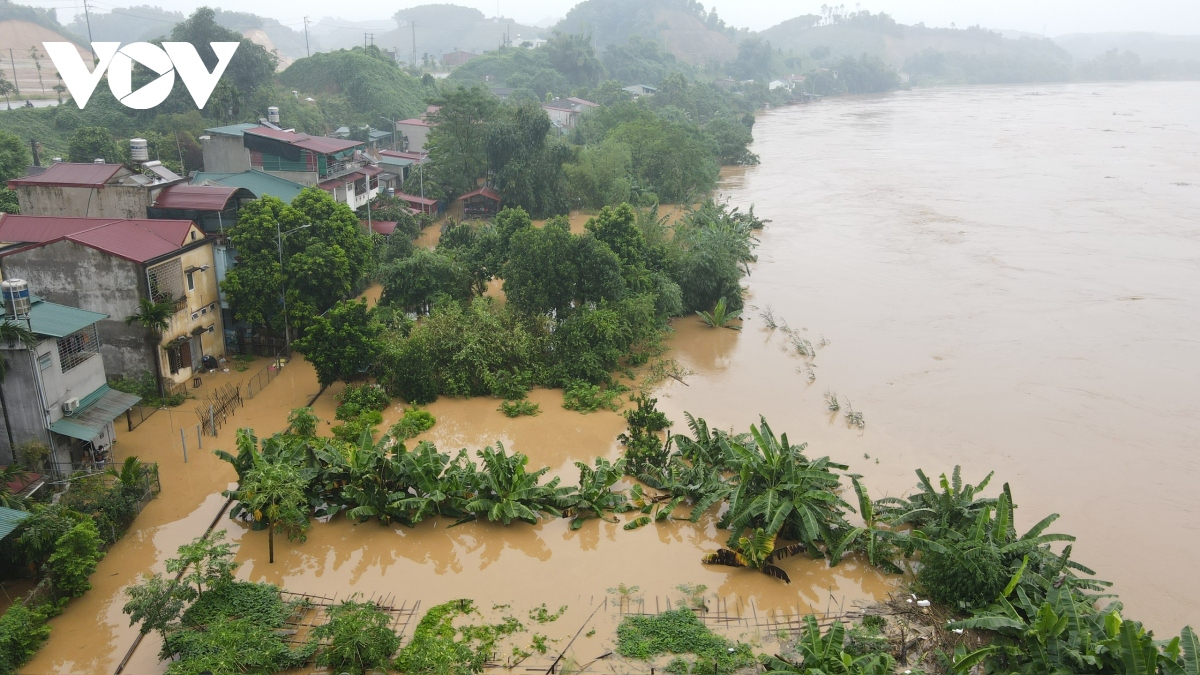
{"x": 374, "y": 474}
{"x": 873, "y": 538}
{"x": 720, "y": 316}
{"x": 954, "y": 507}
{"x": 783, "y": 492}
{"x": 595, "y": 495}
{"x": 131, "y": 473}
{"x": 758, "y": 552}
{"x": 508, "y": 492}
{"x": 826, "y": 655}
{"x": 432, "y": 485}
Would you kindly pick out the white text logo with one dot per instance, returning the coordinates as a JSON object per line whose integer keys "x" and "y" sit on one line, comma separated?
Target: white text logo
{"x": 172, "y": 57}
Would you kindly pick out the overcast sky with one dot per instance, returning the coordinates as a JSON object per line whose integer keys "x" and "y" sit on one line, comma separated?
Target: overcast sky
{"x": 1054, "y": 17}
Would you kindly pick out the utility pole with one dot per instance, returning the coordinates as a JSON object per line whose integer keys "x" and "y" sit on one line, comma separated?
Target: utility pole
{"x": 14, "y": 67}
{"x": 414, "y": 40}
{"x": 306, "y": 48}
{"x": 88, "y": 18}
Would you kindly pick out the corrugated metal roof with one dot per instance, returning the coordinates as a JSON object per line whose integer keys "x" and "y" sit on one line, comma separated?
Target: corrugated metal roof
{"x": 384, "y": 227}
{"x": 414, "y": 199}
{"x": 232, "y": 129}
{"x": 37, "y": 229}
{"x": 257, "y": 182}
{"x": 10, "y": 519}
{"x": 95, "y": 411}
{"x": 319, "y": 144}
{"x": 54, "y": 320}
{"x": 196, "y": 197}
{"x": 138, "y": 240}
{"x": 484, "y": 192}
{"x": 67, "y": 174}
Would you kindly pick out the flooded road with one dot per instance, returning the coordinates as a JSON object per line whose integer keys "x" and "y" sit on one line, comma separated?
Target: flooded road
{"x": 1004, "y": 278}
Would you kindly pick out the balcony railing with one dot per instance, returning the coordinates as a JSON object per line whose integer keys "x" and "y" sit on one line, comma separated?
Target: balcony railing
{"x": 336, "y": 169}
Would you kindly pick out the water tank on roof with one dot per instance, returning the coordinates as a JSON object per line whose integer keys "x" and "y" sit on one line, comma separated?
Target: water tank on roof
{"x": 139, "y": 149}
{"x": 16, "y": 298}
{"x": 98, "y": 160}
{"x": 391, "y": 192}
{"x": 273, "y": 114}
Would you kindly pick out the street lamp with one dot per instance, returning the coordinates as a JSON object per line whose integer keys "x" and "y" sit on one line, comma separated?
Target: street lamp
{"x": 287, "y": 333}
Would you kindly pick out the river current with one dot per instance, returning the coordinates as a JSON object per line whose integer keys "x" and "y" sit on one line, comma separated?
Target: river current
{"x": 1009, "y": 280}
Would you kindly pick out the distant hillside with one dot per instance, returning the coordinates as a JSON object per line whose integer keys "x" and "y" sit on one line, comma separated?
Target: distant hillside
{"x": 127, "y": 24}
{"x": 832, "y": 36}
{"x": 439, "y": 29}
{"x": 371, "y": 83}
{"x": 682, "y": 26}
{"x": 1148, "y": 46}
{"x": 20, "y": 36}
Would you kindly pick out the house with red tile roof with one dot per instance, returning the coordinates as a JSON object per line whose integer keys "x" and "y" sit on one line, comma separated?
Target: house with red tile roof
{"x": 108, "y": 265}
{"x": 92, "y": 190}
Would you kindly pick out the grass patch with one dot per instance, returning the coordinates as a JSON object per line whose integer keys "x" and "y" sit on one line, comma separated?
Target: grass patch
{"x": 680, "y": 632}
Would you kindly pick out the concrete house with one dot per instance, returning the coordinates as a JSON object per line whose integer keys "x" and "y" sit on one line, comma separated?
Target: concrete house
{"x": 87, "y": 190}
{"x": 340, "y": 167}
{"x": 413, "y": 134}
{"x": 107, "y": 265}
{"x": 56, "y": 392}
{"x": 565, "y": 112}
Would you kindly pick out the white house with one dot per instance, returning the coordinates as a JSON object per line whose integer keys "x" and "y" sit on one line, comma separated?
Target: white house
{"x": 56, "y": 391}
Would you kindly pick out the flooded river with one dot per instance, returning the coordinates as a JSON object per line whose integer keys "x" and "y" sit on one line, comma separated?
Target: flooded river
{"x": 1004, "y": 278}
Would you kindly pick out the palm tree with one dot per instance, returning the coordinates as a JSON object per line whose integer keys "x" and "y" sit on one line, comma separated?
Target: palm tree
{"x": 9, "y": 475}
{"x": 12, "y": 334}
{"x": 155, "y": 316}
{"x": 131, "y": 473}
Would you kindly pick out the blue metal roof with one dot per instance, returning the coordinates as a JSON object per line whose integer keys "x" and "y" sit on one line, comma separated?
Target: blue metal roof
{"x": 95, "y": 411}
{"x": 10, "y": 519}
{"x": 232, "y": 129}
{"x": 54, "y": 320}
{"x": 258, "y": 182}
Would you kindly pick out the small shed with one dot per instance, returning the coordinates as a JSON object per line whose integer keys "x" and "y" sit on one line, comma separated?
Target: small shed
{"x": 419, "y": 204}
{"x": 481, "y": 203}
{"x": 10, "y": 519}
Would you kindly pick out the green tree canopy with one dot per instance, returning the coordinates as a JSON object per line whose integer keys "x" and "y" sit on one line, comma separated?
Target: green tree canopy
{"x": 456, "y": 143}
{"x": 322, "y": 263}
{"x": 91, "y": 143}
{"x": 14, "y": 157}
{"x": 342, "y": 343}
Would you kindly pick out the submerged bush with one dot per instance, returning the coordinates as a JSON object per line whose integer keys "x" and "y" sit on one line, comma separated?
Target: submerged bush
{"x": 358, "y": 638}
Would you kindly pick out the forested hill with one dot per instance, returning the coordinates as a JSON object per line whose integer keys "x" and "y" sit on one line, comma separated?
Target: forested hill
{"x": 438, "y": 29}
{"x": 683, "y": 27}
{"x": 968, "y": 54}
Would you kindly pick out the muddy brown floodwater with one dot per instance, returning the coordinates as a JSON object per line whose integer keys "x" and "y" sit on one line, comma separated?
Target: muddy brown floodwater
{"x": 1004, "y": 278}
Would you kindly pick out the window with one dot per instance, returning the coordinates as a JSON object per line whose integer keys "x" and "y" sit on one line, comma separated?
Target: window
{"x": 191, "y": 282}
{"x": 78, "y": 347}
{"x": 45, "y": 361}
{"x": 166, "y": 281}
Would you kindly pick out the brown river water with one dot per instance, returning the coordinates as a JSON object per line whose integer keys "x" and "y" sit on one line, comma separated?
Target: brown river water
{"x": 1003, "y": 278}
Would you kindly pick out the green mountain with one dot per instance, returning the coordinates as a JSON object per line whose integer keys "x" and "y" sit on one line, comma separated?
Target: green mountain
{"x": 930, "y": 55}
{"x": 683, "y": 27}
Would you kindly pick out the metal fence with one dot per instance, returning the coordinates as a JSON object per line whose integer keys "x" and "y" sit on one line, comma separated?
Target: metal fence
{"x": 262, "y": 378}
{"x": 220, "y": 404}
{"x": 138, "y": 414}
